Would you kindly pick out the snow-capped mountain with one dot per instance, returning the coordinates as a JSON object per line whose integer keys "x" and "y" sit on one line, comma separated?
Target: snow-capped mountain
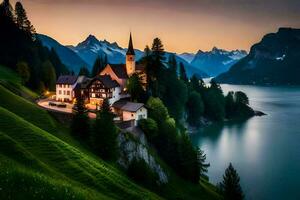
{"x": 91, "y": 47}
{"x": 190, "y": 69}
{"x": 217, "y": 61}
{"x": 189, "y": 57}
{"x": 86, "y": 52}
{"x": 275, "y": 60}
{"x": 66, "y": 55}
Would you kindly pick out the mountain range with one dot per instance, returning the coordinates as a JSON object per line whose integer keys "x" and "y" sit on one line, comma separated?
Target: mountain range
{"x": 214, "y": 62}
{"x": 86, "y": 52}
{"x": 275, "y": 60}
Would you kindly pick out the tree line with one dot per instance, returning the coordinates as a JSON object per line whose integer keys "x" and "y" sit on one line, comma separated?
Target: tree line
{"x": 21, "y": 50}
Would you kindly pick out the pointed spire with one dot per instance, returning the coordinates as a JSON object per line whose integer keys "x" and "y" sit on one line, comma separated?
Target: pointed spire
{"x": 130, "y": 50}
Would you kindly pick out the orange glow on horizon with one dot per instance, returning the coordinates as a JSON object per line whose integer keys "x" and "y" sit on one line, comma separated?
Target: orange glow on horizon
{"x": 182, "y": 29}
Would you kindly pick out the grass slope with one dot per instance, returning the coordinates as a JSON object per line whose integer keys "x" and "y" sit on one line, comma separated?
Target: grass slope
{"x": 40, "y": 160}
{"x": 57, "y": 159}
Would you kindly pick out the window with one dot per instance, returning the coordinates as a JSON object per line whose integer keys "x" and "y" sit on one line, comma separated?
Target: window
{"x": 64, "y": 92}
{"x": 131, "y": 114}
{"x": 59, "y": 91}
{"x": 68, "y": 92}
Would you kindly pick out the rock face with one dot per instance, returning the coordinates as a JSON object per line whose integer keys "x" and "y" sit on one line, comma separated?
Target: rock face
{"x": 275, "y": 60}
{"x": 135, "y": 147}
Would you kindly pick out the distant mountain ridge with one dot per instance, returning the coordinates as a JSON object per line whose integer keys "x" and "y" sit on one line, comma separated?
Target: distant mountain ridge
{"x": 275, "y": 60}
{"x": 216, "y": 61}
{"x": 91, "y": 47}
{"x": 85, "y": 53}
{"x": 67, "y": 56}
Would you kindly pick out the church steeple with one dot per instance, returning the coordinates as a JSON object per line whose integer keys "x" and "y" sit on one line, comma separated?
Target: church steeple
{"x": 130, "y": 50}
{"x": 130, "y": 58}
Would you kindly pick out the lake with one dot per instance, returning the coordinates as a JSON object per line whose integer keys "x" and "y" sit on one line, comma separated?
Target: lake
{"x": 264, "y": 150}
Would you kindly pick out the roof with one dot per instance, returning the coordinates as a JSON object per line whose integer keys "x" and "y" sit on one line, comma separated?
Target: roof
{"x": 66, "y": 79}
{"x": 127, "y": 105}
{"x": 82, "y": 82}
{"x": 130, "y": 50}
{"x": 119, "y": 70}
{"x": 105, "y": 80}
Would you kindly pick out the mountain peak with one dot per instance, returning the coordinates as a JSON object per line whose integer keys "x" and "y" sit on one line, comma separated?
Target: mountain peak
{"x": 91, "y": 38}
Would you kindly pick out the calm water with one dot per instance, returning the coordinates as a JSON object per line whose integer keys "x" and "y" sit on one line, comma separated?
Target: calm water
{"x": 264, "y": 150}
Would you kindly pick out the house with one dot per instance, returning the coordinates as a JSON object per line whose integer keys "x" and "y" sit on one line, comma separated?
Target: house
{"x": 130, "y": 111}
{"x": 65, "y": 88}
{"x": 102, "y": 87}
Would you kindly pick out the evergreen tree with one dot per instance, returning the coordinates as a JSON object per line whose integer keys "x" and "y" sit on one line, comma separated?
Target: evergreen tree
{"x": 104, "y": 135}
{"x": 135, "y": 88}
{"x": 188, "y": 160}
{"x": 147, "y": 60}
{"x": 230, "y": 186}
{"x": 182, "y": 74}
{"x": 197, "y": 84}
{"x": 48, "y": 75}
{"x": 195, "y": 108}
{"x": 157, "y": 67}
{"x": 23, "y": 71}
{"x": 175, "y": 97}
{"x": 203, "y": 166}
{"x": 99, "y": 65}
{"x": 7, "y": 9}
{"x": 172, "y": 65}
{"x": 241, "y": 98}
{"x": 230, "y": 106}
{"x": 22, "y": 20}
{"x": 80, "y": 126}
{"x": 84, "y": 71}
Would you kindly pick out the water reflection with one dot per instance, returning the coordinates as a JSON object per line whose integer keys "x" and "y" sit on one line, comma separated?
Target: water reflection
{"x": 264, "y": 150}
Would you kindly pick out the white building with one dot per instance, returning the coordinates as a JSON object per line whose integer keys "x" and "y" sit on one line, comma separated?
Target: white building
{"x": 65, "y": 88}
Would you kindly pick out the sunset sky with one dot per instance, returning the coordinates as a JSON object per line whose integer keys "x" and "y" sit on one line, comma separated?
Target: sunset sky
{"x": 183, "y": 26}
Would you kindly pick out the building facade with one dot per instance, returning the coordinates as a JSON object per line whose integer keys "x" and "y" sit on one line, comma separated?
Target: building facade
{"x": 65, "y": 88}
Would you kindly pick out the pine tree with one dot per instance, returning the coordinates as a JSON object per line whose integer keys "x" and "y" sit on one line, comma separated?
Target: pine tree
{"x": 48, "y": 75}
{"x": 104, "y": 135}
{"x": 172, "y": 65}
{"x": 194, "y": 108}
{"x": 158, "y": 54}
{"x": 203, "y": 166}
{"x": 135, "y": 88}
{"x": 182, "y": 74}
{"x": 7, "y": 9}
{"x": 230, "y": 186}
{"x": 23, "y": 71}
{"x": 230, "y": 105}
{"x": 99, "y": 65}
{"x": 22, "y": 20}
{"x": 80, "y": 126}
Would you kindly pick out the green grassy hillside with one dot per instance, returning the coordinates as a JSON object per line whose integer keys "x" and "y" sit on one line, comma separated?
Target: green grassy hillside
{"x": 40, "y": 160}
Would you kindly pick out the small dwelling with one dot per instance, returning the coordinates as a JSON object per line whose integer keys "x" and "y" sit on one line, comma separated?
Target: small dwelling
{"x": 65, "y": 88}
{"x": 130, "y": 111}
